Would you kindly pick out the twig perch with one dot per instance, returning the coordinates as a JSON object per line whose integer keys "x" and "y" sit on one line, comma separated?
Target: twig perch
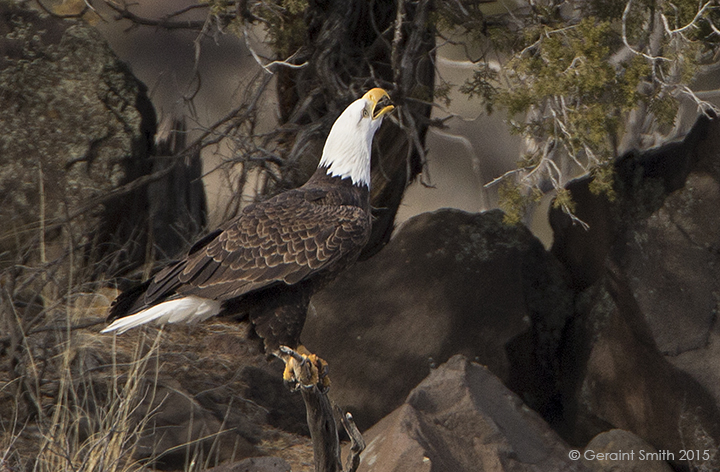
{"x": 357, "y": 443}
{"x": 323, "y": 430}
{"x": 321, "y": 419}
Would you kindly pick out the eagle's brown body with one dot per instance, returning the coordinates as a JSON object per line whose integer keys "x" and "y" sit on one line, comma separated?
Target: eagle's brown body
{"x": 267, "y": 263}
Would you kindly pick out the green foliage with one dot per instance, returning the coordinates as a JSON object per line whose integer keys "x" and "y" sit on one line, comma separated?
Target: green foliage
{"x": 571, "y": 78}
{"x": 567, "y": 72}
{"x": 283, "y": 19}
{"x": 482, "y": 85}
{"x": 602, "y": 182}
{"x": 514, "y": 201}
{"x": 665, "y": 108}
{"x": 295, "y": 7}
{"x": 286, "y": 25}
{"x": 442, "y": 92}
{"x": 563, "y": 200}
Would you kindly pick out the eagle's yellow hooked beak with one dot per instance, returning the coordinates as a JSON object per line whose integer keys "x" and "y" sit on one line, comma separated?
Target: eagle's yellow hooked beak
{"x": 376, "y": 96}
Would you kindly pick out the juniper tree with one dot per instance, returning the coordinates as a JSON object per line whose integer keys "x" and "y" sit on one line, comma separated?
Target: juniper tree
{"x": 584, "y": 81}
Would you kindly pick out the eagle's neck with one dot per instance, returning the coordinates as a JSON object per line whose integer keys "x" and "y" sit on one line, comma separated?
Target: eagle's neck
{"x": 323, "y": 178}
{"x": 339, "y": 190}
{"x": 348, "y": 147}
{"x": 350, "y": 163}
{"x": 347, "y": 155}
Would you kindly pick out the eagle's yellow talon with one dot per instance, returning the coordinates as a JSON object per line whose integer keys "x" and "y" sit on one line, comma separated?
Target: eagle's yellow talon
{"x": 304, "y": 369}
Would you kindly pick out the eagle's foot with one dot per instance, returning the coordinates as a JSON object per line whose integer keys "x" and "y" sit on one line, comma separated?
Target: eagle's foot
{"x": 304, "y": 369}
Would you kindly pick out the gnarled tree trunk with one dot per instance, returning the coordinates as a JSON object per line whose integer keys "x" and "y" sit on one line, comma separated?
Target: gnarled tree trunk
{"x": 350, "y": 47}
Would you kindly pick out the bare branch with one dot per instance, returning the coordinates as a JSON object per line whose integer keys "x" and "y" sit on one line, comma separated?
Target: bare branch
{"x": 503, "y": 177}
{"x": 166, "y": 23}
{"x": 357, "y": 443}
{"x": 693, "y": 24}
{"x": 625, "y": 15}
{"x": 276, "y": 63}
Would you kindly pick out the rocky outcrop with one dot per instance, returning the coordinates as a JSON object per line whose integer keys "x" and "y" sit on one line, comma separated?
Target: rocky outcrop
{"x": 76, "y": 148}
{"x": 462, "y": 418}
{"x": 678, "y": 244}
{"x": 76, "y": 126}
{"x": 660, "y": 232}
{"x": 646, "y": 277}
{"x": 604, "y": 453}
{"x": 449, "y": 282}
{"x": 255, "y": 464}
{"x": 615, "y": 377}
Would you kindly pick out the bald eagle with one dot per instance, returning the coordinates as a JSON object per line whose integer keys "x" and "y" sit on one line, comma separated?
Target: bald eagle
{"x": 265, "y": 264}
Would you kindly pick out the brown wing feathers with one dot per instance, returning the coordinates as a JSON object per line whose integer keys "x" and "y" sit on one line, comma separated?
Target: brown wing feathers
{"x": 285, "y": 240}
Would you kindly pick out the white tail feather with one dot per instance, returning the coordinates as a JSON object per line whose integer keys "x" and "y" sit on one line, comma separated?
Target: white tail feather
{"x": 189, "y": 309}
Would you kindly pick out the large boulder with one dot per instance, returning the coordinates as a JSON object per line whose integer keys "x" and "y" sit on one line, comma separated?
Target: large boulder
{"x": 622, "y": 451}
{"x": 646, "y": 273}
{"x": 462, "y": 418}
{"x": 615, "y": 377}
{"x": 449, "y": 282}
{"x": 660, "y": 231}
{"x": 76, "y": 126}
{"x": 672, "y": 265}
{"x": 76, "y": 153}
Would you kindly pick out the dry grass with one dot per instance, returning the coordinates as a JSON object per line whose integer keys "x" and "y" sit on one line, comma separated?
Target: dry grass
{"x": 296, "y": 450}
{"x": 76, "y": 438}
{"x": 68, "y": 415}
{"x": 74, "y": 400}
{"x": 86, "y": 402}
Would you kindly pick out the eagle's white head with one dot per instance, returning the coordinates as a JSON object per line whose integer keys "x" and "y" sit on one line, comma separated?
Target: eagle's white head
{"x": 349, "y": 144}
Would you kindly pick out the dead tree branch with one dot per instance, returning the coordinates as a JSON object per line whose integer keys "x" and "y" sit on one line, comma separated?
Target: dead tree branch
{"x": 320, "y": 414}
{"x": 123, "y": 13}
{"x": 323, "y": 430}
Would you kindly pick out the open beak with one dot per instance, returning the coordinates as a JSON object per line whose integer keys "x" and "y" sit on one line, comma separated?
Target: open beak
{"x": 380, "y": 97}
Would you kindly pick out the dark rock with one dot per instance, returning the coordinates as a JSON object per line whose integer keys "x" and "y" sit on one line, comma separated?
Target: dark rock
{"x": 615, "y": 377}
{"x": 639, "y": 455}
{"x": 671, "y": 257}
{"x": 672, "y": 265}
{"x": 255, "y": 464}
{"x": 77, "y": 128}
{"x": 449, "y": 282}
{"x": 74, "y": 115}
{"x": 647, "y": 274}
{"x": 703, "y": 363}
{"x": 285, "y": 409}
{"x": 462, "y": 418}
{"x": 642, "y": 183}
{"x": 177, "y": 427}
{"x": 661, "y": 232}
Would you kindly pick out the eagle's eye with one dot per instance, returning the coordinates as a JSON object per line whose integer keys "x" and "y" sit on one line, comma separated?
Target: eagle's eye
{"x": 366, "y": 113}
